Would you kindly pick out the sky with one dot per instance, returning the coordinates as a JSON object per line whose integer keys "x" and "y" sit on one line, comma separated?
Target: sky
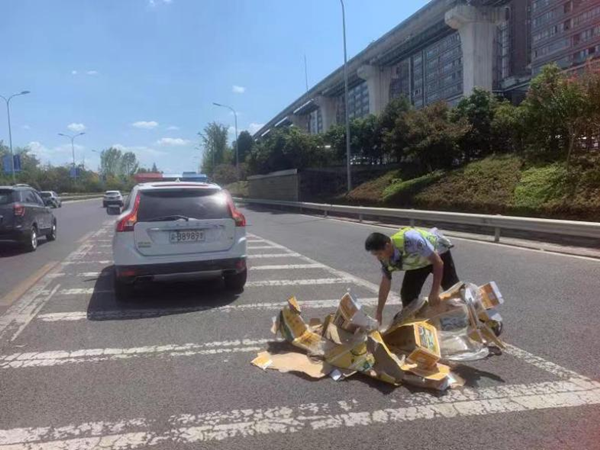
{"x": 141, "y": 75}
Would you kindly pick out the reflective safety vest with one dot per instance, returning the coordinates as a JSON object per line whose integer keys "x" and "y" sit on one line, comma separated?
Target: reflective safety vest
{"x": 412, "y": 261}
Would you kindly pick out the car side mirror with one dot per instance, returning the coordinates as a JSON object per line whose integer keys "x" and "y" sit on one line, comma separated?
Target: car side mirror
{"x": 113, "y": 210}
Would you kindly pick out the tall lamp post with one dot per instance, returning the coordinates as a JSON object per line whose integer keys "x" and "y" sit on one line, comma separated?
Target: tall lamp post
{"x": 72, "y": 149}
{"x": 237, "y": 154}
{"x": 12, "y": 156}
{"x": 346, "y": 100}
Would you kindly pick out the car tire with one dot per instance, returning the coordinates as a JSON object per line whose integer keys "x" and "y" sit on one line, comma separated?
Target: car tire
{"x": 235, "y": 282}
{"x": 51, "y": 236}
{"x": 31, "y": 243}
{"x": 124, "y": 292}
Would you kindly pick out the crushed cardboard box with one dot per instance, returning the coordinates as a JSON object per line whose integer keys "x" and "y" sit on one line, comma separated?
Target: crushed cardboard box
{"x": 411, "y": 351}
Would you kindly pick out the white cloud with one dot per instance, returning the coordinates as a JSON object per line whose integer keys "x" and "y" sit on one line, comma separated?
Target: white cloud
{"x": 76, "y": 127}
{"x": 144, "y": 125}
{"x": 173, "y": 128}
{"x": 92, "y": 72}
{"x": 73, "y": 72}
{"x": 155, "y": 3}
{"x": 139, "y": 150}
{"x": 173, "y": 142}
{"x": 254, "y": 127}
{"x": 61, "y": 154}
{"x": 238, "y": 89}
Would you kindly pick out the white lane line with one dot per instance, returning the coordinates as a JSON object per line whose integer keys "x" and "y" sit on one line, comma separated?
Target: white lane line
{"x": 474, "y": 241}
{"x": 118, "y": 314}
{"x": 250, "y": 284}
{"x": 80, "y": 274}
{"x": 94, "y": 355}
{"x": 104, "y": 261}
{"x": 338, "y": 273}
{"x": 37, "y": 306}
{"x": 261, "y": 247}
{"x": 287, "y": 267}
{"x": 85, "y": 237}
{"x": 304, "y": 418}
{"x": 275, "y": 255}
{"x": 315, "y": 282}
{"x": 541, "y": 363}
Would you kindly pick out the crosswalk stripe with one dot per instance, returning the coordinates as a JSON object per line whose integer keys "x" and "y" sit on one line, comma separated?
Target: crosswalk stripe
{"x": 59, "y": 357}
{"x": 275, "y": 255}
{"x": 303, "y": 418}
{"x": 117, "y": 314}
{"x": 288, "y": 267}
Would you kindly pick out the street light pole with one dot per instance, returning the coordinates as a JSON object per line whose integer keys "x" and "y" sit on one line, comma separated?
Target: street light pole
{"x": 346, "y": 100}
{"x": 237, "y": 154}
{"x": 12, "y": 155}
{"x": 72, "y": 149}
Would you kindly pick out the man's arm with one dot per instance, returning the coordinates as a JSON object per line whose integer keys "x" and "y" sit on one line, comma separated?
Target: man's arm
{"x": 438, "y": 273}
{"x": 384, "y": 290}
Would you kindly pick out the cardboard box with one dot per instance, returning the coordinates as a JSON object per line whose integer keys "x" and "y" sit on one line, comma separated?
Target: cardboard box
{"x": 351, "y": 357}
{"x": 418, "y": 339}
{"x": 453, "y": 292}
{"x": 294, "y": 330}
{"x": 292, "y": 362}
{"x": 490, "y": 295}
{"x": 350, "y": 316}
{"x": 388, "y": 366}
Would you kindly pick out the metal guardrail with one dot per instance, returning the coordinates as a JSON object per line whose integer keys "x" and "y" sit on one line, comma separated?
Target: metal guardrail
{"x": 497, "y": 222}
{"x": 69, "y": 198}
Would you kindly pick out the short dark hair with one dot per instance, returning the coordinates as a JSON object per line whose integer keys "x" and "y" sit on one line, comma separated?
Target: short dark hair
{"x": 376, "y": 242}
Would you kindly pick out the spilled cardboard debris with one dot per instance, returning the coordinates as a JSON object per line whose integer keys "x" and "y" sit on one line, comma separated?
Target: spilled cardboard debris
{"x": 415, "y": 350}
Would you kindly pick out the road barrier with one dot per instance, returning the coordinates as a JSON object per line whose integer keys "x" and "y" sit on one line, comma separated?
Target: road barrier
{"x": 496, "y": 222}
{"x": 70, "y": 198}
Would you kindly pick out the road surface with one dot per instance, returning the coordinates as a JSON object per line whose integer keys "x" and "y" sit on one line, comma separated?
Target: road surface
{"x": 172, "y": 370}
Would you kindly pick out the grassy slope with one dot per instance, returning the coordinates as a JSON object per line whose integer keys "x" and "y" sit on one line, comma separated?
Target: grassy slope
{"x": 495, "y": 185}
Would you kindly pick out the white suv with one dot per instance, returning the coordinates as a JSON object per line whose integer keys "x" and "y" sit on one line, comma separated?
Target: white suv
{"x": 112, "y": 198}
{"x": 175, "y": 230}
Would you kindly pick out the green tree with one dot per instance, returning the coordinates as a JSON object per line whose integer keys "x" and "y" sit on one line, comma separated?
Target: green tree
{"x": 393, "y": 138}
{"x": 154, "y": 168}
{"x": 214, "y": 140}
{"x": 110, "y": 162}
{"x": 432, "y": 138}
{"x": 478, "y": 110}
{"x": 128, "y": 164}
{"x": 245, "y": 143}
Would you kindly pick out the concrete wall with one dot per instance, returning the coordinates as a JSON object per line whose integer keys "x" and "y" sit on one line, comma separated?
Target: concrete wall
{"x": 282, "y": 185}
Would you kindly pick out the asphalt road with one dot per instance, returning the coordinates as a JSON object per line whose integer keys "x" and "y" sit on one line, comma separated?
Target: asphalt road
{"x": 172, "y": 370}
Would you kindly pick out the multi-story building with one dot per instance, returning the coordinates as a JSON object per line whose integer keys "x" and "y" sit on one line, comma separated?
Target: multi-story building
{"x": 448, "y": 48}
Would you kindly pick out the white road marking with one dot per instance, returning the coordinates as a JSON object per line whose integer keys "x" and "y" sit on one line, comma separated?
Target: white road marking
{"x": 104, "y": 261}
{"x": 315, "y": 282}
{"x": 81, "y": 274}
{"x": 85, "y": 237}
{"x": 261, "y": 247}
{"x": 305, "y": 418}
{"x": 287, "y": 267}
{"x": 275, "y": 255}
{"x": 94, "y": 355}
{"x": 37, "y": 306}
{"x": 474, "y": 241}
{"x": 118, "y": 314}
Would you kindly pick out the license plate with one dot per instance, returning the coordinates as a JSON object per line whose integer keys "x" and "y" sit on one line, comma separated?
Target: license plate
{"x": 180, "y": 237}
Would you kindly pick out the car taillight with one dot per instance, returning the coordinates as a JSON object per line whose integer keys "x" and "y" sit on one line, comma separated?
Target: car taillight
{"x": 128, "y": 222}
{"x": 19, "y": 210}
{"x": 238, "y": 217}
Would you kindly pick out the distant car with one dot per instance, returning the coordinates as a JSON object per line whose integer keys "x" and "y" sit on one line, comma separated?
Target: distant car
{"x": 112, "y": 198}
{"x": 174, "y": 230}
{"x": 51, "y": 198}
{"x": 24, "y": 217}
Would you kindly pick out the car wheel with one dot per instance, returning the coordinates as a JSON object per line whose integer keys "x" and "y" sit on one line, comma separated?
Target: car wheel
{"x": 51, "y": 236}
{"x": 32, "y": 240}
{"x": 235, "y": 282}
{"x": 124, "y": 292}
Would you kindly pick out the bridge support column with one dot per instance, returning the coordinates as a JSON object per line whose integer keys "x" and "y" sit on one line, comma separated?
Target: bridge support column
{"x": 328, "y": 107}
{"x": 378, "y": 80}
{"x": 477, "y": 27}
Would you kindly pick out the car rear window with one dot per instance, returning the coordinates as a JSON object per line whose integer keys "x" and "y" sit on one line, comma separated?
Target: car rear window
{"x": 192, "y": 203}
{"x": 6, "y": 196}
{"x": 46, "y": 194}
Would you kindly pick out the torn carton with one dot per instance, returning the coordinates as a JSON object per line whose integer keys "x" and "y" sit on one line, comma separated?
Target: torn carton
{"x": 418, "y": 339}
{"x": 294, "y": 329}
{"x": 292, "y": 362}
{"x": 351, "y": 357}
{"x": 388, "y": 366}
{"x": 490, "y": 295}
{"x": 350, "y": 316}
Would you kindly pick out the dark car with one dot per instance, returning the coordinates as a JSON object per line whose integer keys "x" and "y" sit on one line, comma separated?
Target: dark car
{"x": 51, "y": 199}
{"x": 24, "y": 217}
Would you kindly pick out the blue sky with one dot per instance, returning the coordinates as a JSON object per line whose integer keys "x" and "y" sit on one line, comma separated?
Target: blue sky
{"x": 142, "y": 74}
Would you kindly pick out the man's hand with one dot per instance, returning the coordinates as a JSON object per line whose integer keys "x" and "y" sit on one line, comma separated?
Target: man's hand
{"x": 384, "y": 290}
{"x": 434, "y": 300}
{"x": 379, "y": 317}
{"x": 438, "y": 272}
